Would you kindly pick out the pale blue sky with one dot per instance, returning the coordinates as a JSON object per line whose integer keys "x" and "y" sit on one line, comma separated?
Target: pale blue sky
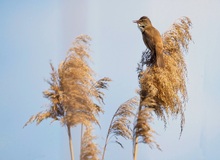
{"x": 35, "y": 32}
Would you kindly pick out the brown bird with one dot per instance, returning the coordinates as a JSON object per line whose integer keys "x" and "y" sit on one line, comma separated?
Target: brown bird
{"x": 152, "y": 39}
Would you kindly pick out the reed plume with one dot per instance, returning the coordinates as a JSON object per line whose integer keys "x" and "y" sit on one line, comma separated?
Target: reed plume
{"x": 73, "y": 91}
{"x": 89, "y": 149}
{"x": 121, "y": 123}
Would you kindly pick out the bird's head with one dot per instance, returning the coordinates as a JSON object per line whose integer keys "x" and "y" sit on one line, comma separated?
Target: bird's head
{"x": 143, "y": 22}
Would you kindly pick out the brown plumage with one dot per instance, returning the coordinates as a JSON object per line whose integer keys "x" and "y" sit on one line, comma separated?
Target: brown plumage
{"x": 152, "y": 39}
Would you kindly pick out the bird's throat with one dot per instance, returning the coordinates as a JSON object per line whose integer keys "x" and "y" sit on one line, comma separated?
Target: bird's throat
{"x": 141, "y": 28}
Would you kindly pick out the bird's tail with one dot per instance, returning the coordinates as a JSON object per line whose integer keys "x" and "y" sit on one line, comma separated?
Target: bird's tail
{"x": 160, "y": 60}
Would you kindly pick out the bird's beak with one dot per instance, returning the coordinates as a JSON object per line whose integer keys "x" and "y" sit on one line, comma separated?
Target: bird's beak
{"x": 135, "y": 21}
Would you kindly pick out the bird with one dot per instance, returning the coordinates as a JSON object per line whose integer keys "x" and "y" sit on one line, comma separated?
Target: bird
{"x": 152, "y": 39}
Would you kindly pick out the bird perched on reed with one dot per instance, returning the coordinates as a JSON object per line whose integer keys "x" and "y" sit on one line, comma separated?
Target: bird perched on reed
{"x": 152, "y": 39}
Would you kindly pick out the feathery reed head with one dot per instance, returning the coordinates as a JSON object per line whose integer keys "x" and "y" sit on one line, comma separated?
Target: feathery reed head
{"x": 73, "y": 88}
{"x": 142, "y": 132}
{"x": 89, "y": 149}
{"x": 120, "y": 124}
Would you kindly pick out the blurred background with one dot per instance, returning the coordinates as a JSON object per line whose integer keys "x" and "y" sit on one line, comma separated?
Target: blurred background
{"x": 35, "y": 33}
